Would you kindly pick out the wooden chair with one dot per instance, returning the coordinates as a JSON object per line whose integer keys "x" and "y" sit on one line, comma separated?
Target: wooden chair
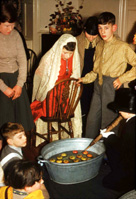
{"x": 31, "y": 67}
{"x": 61, "y": 102}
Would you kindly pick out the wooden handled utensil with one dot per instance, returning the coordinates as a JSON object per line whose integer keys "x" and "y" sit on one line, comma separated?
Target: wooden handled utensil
{"x": 109, "y": 128}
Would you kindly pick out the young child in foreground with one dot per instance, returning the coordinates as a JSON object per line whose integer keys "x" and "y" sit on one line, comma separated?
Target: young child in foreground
{"x": 121, "y": 150}
{"x": 24, "y": 181}
{"x": 109, "y": 73}
{"x": 16, "y": 139}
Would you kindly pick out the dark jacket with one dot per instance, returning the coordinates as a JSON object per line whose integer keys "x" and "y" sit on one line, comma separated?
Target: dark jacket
{"x": 8, "y": 155}
{"x": 121, "y": 155}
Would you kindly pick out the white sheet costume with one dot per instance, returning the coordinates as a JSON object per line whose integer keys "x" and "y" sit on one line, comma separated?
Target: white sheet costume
{"x": 45, "y": 77}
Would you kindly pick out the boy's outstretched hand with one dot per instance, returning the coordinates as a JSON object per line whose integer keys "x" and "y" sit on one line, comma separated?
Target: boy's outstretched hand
{"x": 117, "y": 84}
{"x": 79, "y": 81}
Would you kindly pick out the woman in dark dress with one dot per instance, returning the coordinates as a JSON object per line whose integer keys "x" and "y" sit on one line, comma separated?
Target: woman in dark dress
{"x": 14, "y": 102}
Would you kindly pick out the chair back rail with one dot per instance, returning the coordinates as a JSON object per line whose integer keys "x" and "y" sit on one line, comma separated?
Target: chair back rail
{"x": 62, "y": 100}
{"x": 60, "y": 105}
{"x": 31, "y": 67}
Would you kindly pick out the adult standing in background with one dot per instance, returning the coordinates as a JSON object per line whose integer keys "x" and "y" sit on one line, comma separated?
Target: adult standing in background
{"x": 14, "y": 102}
{"x": 87, "y": 42}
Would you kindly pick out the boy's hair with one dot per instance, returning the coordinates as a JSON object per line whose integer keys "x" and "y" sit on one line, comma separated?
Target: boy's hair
{"x": 91, "y": 26}
{"x": 9, "y": 129}
{"x": 22, "y": 173}
{"x": 106, "y": 18}
{"x": 70, "y": 46}
{"x": 8, "y": 12}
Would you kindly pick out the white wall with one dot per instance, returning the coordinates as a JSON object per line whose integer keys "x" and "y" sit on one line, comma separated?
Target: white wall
{"x": 92, "y": 7}
{"x": 130, "y": 20}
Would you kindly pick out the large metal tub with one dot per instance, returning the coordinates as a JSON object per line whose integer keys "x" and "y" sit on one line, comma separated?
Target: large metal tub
{"x": 129, "y": 195}
{"x": 72, "y": 173}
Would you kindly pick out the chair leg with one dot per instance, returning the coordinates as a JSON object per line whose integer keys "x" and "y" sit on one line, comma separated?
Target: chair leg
{"x": 59, "y": 130}
{"x": 31, "y": 138}
{"x": 50, "y": 131}
{"x": 70, "y": 129}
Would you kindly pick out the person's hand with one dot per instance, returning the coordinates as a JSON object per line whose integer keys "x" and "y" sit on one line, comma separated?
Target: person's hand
{"x": 17, "y": 90}
{"x": 105, "y": 134}
{"x": 117, "y": 84}
{"x": 9, "y": 92}
{"x": 79, "y": 81}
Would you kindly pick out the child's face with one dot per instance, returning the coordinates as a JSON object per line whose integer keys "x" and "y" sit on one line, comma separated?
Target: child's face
{"x": 6, "y": 28}
{"x": 18, "y": 140}
{"x": 106, "y": 31}
{"x": 66, "y": 54}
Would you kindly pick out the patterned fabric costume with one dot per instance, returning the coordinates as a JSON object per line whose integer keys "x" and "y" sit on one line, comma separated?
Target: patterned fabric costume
{"x": 48, "y": 72}
{"x": 39, "y": 108}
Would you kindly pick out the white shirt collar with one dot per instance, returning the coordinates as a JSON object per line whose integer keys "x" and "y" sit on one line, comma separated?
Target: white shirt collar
{"x": 19, "y": 149}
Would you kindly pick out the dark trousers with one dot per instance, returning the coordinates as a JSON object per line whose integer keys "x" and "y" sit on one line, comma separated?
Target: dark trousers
{"x": 99, "y": 116}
